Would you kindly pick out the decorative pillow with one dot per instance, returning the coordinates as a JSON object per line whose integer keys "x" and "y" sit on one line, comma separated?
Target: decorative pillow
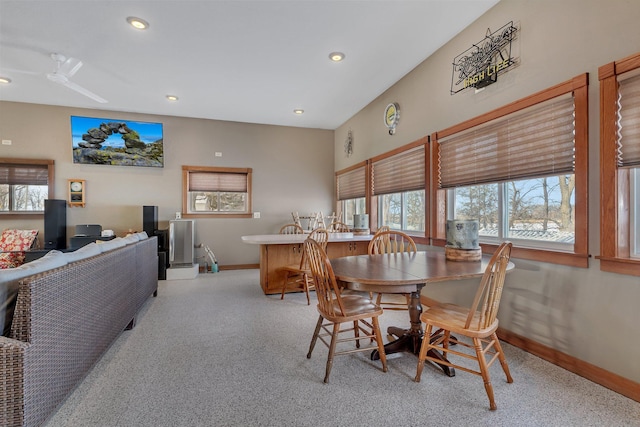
{"x": 12, "y": 244}
{"x": 17, "y": 240}
{"x": 11, "y": 259}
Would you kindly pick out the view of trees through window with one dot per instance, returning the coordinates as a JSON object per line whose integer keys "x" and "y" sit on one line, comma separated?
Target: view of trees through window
{"x": 217, "y": 201}
{"x": 535, "y": 209}
{"x": 22, "y": 198}
{"x": 403, "y": 211}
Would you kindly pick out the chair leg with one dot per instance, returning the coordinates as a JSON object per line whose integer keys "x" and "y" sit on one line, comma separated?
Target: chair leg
{"x": 424, "y": 347}
{"x": 315, "y": 336}
{"x": 484, "y": 370}
{"x": 284, "y": 285}
{"x": 378, "y": 334}
{"x": 332, "y": 350}
{"x": 356, "y": 332}
{"x": 501, "y": 358}
{"x": 445, "y": 343}
{"x": 305, "y": 277}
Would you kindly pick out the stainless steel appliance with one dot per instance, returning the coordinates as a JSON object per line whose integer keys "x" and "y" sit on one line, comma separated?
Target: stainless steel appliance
{"x": 181, "y": 237}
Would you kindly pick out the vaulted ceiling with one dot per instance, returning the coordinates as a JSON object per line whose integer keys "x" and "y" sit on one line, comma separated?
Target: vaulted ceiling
{"x": 246, "y": 61}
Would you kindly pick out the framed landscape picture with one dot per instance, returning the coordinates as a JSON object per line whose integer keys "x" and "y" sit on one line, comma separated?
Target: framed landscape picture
{"x": 116, "y": 142}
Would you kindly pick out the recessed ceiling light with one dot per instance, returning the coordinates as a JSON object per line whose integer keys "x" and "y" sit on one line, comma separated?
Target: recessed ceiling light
{"x": 172, "y": 97}
{"x": 138, "y": 23}
{"x": 5, "y": 80}
{"x": 336, "y": 56}
{"x": 298, "y": 111}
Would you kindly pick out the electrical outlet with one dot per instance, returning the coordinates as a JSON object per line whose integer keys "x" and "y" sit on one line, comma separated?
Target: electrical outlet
{"x": 6, "y": 142}
{"x": 256, "y": 214}
{"x": 218, "y": 154}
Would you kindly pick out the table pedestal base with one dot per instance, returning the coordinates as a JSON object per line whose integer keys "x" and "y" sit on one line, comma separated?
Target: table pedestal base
{"x": 410, "y": 340}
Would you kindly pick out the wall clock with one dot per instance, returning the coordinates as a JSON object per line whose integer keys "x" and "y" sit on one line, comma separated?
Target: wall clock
{"x": 391, "y": 117}
{"x": 76, "y": 192}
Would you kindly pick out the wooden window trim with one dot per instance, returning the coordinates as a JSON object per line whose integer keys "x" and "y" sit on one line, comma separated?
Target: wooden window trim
{"x": 615, "y": 251}
{"x": 185, "y": 191}
{"x": 580, "y": 255}
{"x": 50, "y": 182}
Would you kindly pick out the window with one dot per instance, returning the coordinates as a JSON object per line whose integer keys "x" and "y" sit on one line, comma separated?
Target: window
{"x": 531, "y": 212}
{"x": 398, "y": 179}
{"x": 521, "y": 170}
{"x": 211, "y": 191}
{"x": 351, "y": 207}
{"x": 24, "y": 185}
{"x": 403, "y": 211}
{"x": 351, "y": 191}
{"x": 620, "y": 166}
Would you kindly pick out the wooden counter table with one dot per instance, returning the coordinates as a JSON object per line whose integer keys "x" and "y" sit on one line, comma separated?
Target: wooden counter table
{"x": 278, "y": 250}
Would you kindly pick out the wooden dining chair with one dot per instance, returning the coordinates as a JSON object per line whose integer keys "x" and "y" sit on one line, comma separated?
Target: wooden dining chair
{"x": 299, "y": 276}
{"x": 334, "y": 309}
{"x": 291, "y": 229}
{"x": 386, "y": 242}
{"x": 338, "y": 227}
{"x": 478, "y": 323}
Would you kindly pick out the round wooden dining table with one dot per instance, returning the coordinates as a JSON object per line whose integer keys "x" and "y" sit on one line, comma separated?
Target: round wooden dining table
{"x": 405, "y": 273}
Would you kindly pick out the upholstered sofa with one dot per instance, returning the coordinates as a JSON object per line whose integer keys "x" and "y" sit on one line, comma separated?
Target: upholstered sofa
{"x": 69, "y": 309}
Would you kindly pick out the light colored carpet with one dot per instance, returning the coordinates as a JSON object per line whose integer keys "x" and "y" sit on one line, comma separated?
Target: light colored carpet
{"x": 215, "y": 351}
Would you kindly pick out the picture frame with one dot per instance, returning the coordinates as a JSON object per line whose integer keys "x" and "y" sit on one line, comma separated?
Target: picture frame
{"x": 103, "y": 141}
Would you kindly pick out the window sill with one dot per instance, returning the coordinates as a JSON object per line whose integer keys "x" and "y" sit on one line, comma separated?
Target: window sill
{"x": 620, "y": 265}
{"x": 549, "y": 256}
{"x": 22, "y": 215}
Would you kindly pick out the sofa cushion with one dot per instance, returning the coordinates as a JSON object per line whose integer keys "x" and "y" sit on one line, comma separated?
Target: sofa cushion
{"x": 84, "y": 252}
{"x": 131, "y": 238}
{"x": 109, "y": 245}
{"x": 9, "y": 281}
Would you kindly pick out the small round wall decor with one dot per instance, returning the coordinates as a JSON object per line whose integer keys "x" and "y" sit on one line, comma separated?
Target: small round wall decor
{"x": 391, "y": 117}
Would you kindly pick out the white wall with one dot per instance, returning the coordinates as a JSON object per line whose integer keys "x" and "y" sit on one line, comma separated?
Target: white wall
{"x": 586, "y": 313}
{"x": 292, "y": 171}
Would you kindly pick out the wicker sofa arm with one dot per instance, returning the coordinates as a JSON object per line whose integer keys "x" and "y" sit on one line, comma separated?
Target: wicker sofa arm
{"x": 9, "y": 344}
{"x": 12, "y": 357}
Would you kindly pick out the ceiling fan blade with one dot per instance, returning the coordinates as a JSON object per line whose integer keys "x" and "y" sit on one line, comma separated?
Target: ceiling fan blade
{"x": 63, "y": 80}
{"x": 84, "y": 92}
{"x": 69, "y": 67}
{"x": 17, "y": 71}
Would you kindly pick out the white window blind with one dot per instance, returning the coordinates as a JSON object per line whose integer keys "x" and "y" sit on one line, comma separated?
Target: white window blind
{"x": 402, "y": 172}
{"x": 352, "y": 184}
{"x": 218, "y": 181}
{"x": 629, "y": 121}
{"x": 533, "y": 142}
